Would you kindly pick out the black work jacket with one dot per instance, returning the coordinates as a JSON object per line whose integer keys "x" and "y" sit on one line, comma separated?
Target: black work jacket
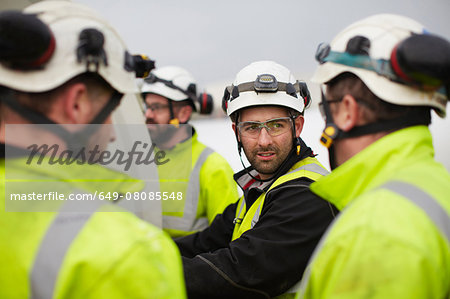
{"x": 266, "y": 260}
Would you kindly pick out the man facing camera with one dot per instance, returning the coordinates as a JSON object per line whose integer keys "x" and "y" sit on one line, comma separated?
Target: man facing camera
{"x": 259, "y": 246}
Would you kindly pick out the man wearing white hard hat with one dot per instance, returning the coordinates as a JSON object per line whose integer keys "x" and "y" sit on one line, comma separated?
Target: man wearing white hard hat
{"x": 381, "y": 78}
{"x": 63, "y": 70}
{"x": 259, "y": 246}
{"x": 170, "y": 97}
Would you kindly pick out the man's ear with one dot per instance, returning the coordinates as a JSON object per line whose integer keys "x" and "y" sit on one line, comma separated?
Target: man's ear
{"x": 299, "y": 121}
{"x": 184, "y": 114}
{"x": 76, "y": 104}
{"x": 348, "y": 114}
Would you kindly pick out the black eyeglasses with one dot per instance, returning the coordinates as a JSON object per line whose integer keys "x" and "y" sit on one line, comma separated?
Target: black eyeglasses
{"x": 321, "y": 108}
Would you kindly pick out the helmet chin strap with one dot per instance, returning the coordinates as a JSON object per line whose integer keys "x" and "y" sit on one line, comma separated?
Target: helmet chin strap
{"x": 332, "y": 132}
{"x": 297, "y": 144}
{"x": 173, "y": 120}
{"x": 73, "y": 140}
{"x": 276, "y": 174}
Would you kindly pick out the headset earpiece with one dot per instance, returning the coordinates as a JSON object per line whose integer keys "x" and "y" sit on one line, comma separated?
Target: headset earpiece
{"x": 422, "y": 59}
{"x": 27, "y": 42}
{"x": 304, "y": 93}
{"x": 206, "y": 103}
{"x": 225, "y": 98}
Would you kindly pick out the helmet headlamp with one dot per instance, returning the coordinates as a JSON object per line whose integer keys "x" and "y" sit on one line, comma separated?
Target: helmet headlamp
{"x": 266, "y": 83}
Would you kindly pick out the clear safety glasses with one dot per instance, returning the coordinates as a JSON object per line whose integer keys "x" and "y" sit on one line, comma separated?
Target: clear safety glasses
{"x": 274, "y": 127}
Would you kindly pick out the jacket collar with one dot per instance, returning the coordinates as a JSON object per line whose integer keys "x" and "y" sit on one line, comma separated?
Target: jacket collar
{"x": 245, "y": 181}
{"x": 186, "y": 144}
{"x": 376, "y": 164}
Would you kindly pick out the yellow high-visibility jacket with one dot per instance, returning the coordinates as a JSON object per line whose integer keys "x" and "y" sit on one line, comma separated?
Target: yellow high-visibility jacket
{"x": 205, "y": 180}
{"x": 391, "y": 239}
{"x": 309, "y": 167}
{"x": 102, "y": 253}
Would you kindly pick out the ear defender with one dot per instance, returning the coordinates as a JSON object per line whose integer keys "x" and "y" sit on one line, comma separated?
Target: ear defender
{"x": 225, "y": 98}
{"x": 421, "y": 60}
{"x": 26, "y": 42}
{"x": 424, "y": 60}
{"x": 305, "y": 94}
{"x": 206, "y": 103}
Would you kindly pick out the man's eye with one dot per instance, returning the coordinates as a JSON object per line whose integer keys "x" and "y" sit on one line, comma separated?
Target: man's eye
{"x": 251, "y": 127}
{"x": 275, "y": 125}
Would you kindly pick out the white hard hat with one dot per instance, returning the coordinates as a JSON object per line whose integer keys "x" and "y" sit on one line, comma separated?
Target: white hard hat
{"x": 265, "y": 83}
{"x": 67, "y": 21}
{"x": 382, "y": 34}
{"x": 171, "y": 82}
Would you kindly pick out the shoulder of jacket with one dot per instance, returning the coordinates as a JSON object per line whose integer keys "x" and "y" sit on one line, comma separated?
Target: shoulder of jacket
{"x": 298, "y": 185}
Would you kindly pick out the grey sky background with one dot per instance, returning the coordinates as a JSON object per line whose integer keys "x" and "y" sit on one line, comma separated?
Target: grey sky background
{"x": 215, "y": 39}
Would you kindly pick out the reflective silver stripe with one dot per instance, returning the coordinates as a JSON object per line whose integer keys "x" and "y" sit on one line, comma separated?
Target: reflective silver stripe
{"x": 237, "y": 219}
{"x": 313, "y": 167}
{"x": 415, "y": 195}
{"x": 424, "y": 201}
{"x": 301, "y": 285}
{"x": 52, "y": 250}
{"x": 256, "y": 216}
{"x": 189, "y": 222}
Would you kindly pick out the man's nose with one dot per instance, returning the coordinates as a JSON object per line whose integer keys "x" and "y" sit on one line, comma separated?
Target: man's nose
{"x": 149, "y": 113}
{"x": 264, "y": 138}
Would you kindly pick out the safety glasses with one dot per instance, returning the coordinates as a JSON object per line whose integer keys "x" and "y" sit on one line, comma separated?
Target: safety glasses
{"x": 274, "y": 127}
{"x": 155, "y": 107}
